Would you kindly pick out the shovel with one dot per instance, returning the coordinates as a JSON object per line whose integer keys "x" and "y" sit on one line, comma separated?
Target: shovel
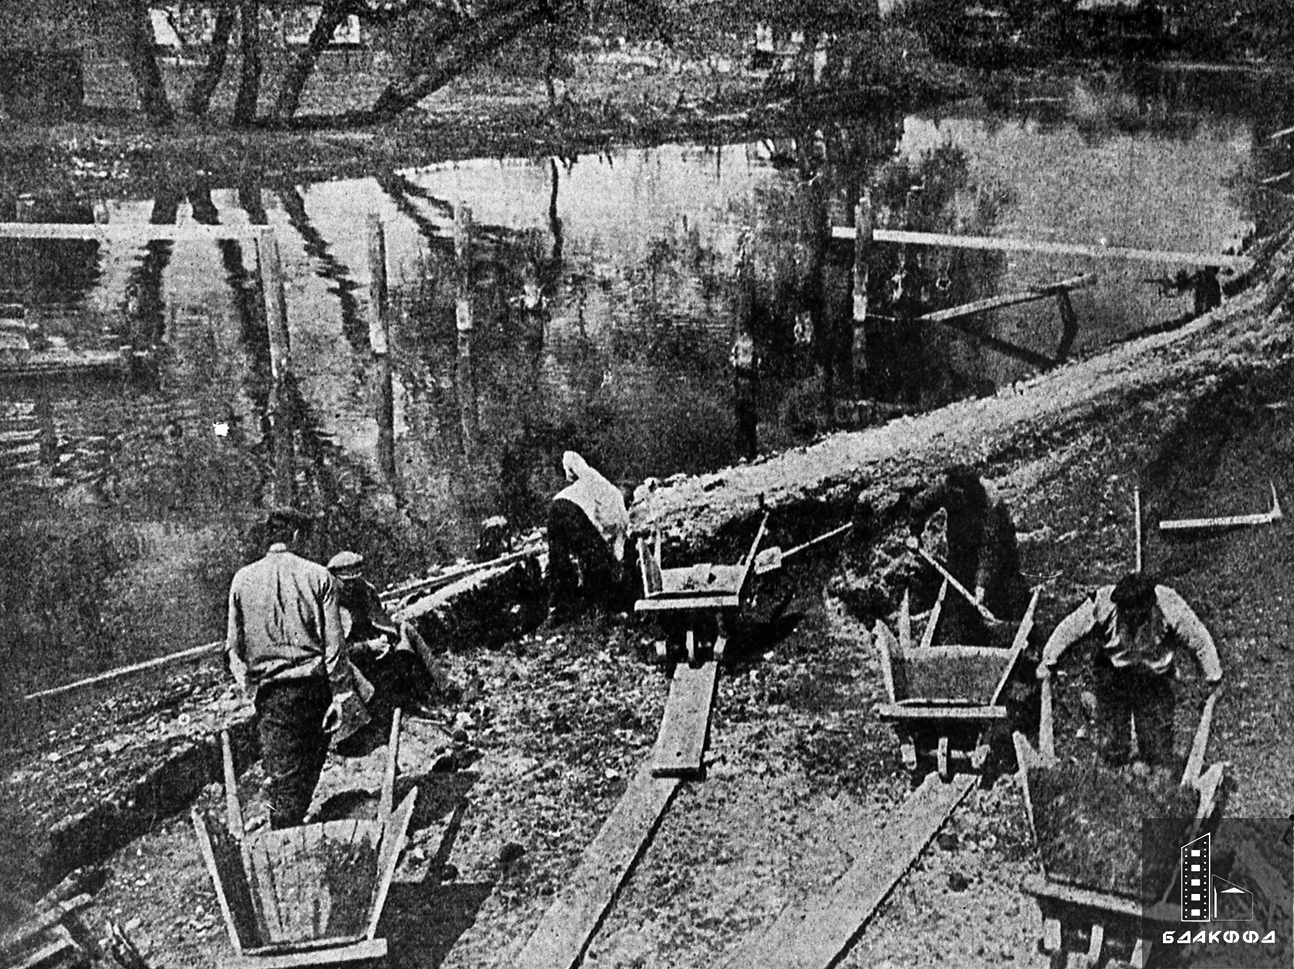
{"x": 772, "y": 559}
{"x": 987, "y": 616}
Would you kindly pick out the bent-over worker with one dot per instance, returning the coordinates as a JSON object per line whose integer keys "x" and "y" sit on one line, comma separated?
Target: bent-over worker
{"x": 286, "y": 648}
{"x": 588, "y": 524}
{"x": 389, "y": 652}
{"x": 1138, "y": 626}
{"x": 982, "y": 551}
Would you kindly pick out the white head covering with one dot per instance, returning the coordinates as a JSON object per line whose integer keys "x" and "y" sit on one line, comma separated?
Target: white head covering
{"x": 599, "y": 499}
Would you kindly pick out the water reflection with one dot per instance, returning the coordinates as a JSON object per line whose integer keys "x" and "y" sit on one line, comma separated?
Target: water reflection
{"x": 664, "y": 310}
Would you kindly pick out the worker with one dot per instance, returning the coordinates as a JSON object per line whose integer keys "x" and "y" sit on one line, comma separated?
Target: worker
{"x": 744, "y": 358}
{"x": 588, "y": 524}
{"x": 982, "y": 551}
{"x": 1138, "y": 626}
{"x": 1207, "y": 289}
{"x": 390, "y": 653}
{"x": 286, "y": 649}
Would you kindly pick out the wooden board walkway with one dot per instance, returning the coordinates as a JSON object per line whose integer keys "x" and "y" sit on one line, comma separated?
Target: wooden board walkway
{"x": 811, "y": 934}
{"x": 563, "y": 933}
{"x": 1166, "y": 257}
{"x": 685, "y": 726}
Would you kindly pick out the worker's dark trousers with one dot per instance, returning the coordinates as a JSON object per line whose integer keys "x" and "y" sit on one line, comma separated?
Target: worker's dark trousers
{"x": 293, "y": 744}
{"x": 1133, "y": 694}
{"x": 580, "y": 563}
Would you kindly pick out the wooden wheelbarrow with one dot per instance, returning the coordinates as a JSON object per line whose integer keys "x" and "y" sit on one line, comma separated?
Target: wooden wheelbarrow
{"x": 309, "y": 895}
{"x": 696, "y": 593}
{"x": 1077, "y": 912}
{"x": 944, "y": 700}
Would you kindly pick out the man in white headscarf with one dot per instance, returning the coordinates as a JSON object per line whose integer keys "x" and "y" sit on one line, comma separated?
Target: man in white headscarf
{"x": 587, "y": 528}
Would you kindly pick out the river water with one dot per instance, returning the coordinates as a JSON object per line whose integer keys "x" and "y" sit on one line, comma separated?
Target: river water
{"x": 129, "y": 497}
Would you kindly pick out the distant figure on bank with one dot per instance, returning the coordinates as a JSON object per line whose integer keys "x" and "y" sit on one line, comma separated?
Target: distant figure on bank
{"x": 1208, "y": 290}
{"x": 1137, "y": 627}
{"x": 982, "y": 550}
{"x": 390, "y": 653}
{"x": 287, "y": 650}
{"x": 587, "y": 528}
{"x": 745, "y": 379}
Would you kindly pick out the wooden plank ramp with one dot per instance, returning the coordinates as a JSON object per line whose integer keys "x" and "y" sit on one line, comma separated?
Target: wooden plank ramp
{"x": 812, "y": 933}
{"x": 563, "y": 933}
{"x": 685, "y": 726}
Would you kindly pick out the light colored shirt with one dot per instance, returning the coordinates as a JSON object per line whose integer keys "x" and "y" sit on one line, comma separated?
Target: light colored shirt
{"x": 1172, "y": 623}
{"x": 599, "y": 499}
{"x": 284, "y": 621}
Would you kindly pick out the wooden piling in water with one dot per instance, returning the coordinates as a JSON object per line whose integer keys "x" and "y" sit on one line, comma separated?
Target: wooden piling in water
{"x": 377, "y": 291}
{"x": 864, "y": 228}
{"x": 275, "y": 300}
{"x": 463, "y": 267}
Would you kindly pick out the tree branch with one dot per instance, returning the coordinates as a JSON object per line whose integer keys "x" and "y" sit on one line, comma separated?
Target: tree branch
{"x": 475, "y": 40}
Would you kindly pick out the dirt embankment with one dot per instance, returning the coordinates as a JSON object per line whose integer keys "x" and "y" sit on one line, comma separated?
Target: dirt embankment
{"x": 556, "y": 721}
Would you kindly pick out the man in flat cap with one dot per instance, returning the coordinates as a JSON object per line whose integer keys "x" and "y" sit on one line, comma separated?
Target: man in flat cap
{"x": 389, "y": 652}
{"x": 287, "y": 650}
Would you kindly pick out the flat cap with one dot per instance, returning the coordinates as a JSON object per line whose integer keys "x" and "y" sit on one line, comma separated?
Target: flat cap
{"x": 346, "y": 565}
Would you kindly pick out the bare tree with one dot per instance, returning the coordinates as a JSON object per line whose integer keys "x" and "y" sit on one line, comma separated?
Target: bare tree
{"x": 142, "y": 58}
{"x": 464, "y": 47}
{"x": 249, "y": 79}
{"x": 331, "y": 16}
{"x": 199, "y": 99}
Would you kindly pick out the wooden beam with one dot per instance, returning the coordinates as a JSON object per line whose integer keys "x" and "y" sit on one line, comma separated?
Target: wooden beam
{"x": 1009, "y": 299}
{"x": 1041, "y": 887}
{"x": 42, "y": 921}
{"x": 449, "y": 578}
{"x": 564, "y": 931}
{"x": 813, "y": 933}
{"x": 1049, "y": 248}
{"x": 906, "y": 711}
{"x": 685, "y": 726}
{"x": 120, "y": 232}
{"x": 683, "y": 603}
{"x": 354, "y": 952}
{"x": 1229, "y": 521}
{"x": 184, "y": 655}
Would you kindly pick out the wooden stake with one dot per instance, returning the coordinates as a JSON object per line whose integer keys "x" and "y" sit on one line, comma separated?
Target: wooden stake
{"x": 378, "y": 325}
{"x": 379, "y": 338}
{"x": 276, "y": 300}
{"x": 1136, "y": 504}
{"x": 463, "y": 267}
{"x": 276, "y": 324}
{"x": 862, "y": 235}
